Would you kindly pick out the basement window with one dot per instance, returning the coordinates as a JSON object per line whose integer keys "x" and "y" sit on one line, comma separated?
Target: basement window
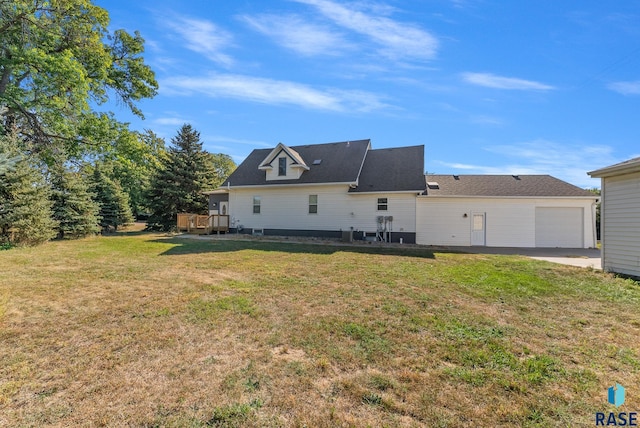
{"x": 382, "y": 204}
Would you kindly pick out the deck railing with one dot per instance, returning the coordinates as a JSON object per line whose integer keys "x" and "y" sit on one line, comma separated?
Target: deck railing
{"x": 195, "y": 223}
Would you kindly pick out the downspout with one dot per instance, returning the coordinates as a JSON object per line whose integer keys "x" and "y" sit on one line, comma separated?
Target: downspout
{"x": 594, "y": 229}
{"x": 602, "y": 223}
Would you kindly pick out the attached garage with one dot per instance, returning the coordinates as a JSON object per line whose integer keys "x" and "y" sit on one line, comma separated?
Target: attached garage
{"x": 505, "y": 211}
{"x": 561, "y": 227}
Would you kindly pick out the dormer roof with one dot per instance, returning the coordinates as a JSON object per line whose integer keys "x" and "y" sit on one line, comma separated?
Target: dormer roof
{"x": 339, "y": 162}
{"x": 298, "y": 162}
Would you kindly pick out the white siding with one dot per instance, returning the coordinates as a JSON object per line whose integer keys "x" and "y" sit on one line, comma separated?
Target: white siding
{"x": 559, "y": 227}
{"x": 620, "y": 218}
{"x": 510, "y": 222}
{"x": 293, "y": 173}
{"x": 287, "y": 207}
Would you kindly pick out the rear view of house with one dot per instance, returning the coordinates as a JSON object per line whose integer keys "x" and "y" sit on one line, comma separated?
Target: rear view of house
{"x": 620, "y": 217}
{"x": 325, "y": 190}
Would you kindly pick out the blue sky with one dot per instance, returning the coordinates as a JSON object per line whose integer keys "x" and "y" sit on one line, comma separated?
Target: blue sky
{"x": 489, "y": 87}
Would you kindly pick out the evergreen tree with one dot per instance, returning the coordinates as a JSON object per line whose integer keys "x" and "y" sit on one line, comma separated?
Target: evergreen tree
{"x": 178, "y": 184}
{"x": 112, "y": 200}
{"x": 73, "y": 205}
{"x": 25, "y": 204}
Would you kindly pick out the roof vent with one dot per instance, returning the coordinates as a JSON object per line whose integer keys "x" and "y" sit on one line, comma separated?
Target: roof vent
{"x": 517, "y": 177}
{"x": 456, "y": 177}
{"x": 433, "y": 185}
{"x": 317, "y": 161}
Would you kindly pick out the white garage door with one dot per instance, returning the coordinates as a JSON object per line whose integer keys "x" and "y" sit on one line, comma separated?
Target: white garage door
{"x": 559, "y": 227}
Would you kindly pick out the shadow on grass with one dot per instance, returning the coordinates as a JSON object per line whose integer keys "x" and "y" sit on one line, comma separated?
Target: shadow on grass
{"x": 198, "y": 246}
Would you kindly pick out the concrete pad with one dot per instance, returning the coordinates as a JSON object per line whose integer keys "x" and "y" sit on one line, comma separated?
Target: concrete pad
{"x": 580, "y": 257}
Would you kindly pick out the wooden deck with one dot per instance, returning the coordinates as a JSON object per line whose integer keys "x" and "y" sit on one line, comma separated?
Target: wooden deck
{"x": 202, "y": 224}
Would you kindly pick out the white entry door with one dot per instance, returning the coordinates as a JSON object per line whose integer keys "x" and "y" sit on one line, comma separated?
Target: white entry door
{"x": 478, "y": 229}
{"x": 224, "y": 208}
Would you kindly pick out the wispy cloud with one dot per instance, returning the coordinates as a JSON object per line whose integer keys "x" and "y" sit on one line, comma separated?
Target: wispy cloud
{"x": 625, "y": 88}
{"x": 173, "y": 121}
{"x": 500, "y": 82}
{"x": 204, "y": 37}
{"x": 232, "y": 140}
{"x": 568, "y": 162}
{"x": 298, "y": 34}
{"x": 396, "y": 40}
{"x": 274, "y": 92}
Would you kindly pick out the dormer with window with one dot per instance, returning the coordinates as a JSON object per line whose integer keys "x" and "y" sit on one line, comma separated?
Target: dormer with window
{"x": 283, "y": 163}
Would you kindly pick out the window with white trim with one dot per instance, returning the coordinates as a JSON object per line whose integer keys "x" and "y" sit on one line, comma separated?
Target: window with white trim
{"x": 382, "y": 204}
{"x": 282, "y": 166}
{"x": 313, "y": 204}
{"x": 256, "y": 204}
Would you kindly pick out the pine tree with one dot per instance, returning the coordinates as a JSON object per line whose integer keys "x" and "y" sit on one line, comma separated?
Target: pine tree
{"x": 73, "y": 205}
{"x": 178, "y": 184}
{"x": 112, "y": 200}
{"x": 25, "y": 204}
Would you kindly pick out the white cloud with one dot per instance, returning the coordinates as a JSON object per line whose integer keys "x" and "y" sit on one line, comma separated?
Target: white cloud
{"x": 625, "y": 88}
{"x": 499, "y": 82}
{"x": 231, "y": 140}
{"x": 204, "y": 37}
{"x": 397, "y": 40}
{"x": 274, "y": 92}
{"x": 173, "y": 121}
{"x": 295, "y": 33}
{"x": 567, "y": 162}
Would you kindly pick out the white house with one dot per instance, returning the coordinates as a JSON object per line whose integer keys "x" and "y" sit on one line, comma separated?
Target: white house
{"x": 505, "y": 211}
{"x": 326, "y": 190}
{"x": 620, "y": 217}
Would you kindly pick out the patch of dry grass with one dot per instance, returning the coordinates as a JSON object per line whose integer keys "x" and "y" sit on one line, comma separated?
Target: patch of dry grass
{"x": 148, "y": 330}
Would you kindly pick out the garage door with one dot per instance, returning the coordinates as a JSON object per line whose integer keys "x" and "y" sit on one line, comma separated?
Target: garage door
{"x": 559, "y": 227}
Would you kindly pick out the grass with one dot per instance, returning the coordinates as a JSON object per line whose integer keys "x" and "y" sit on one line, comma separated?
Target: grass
{"x": 151, "y": 330}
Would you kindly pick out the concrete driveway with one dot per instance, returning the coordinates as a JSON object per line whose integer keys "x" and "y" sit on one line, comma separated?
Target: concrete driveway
{"x": 581, "y": 257}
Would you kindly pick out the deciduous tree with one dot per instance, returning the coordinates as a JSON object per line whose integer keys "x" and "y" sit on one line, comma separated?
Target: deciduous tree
{"x": 57, "y": 59}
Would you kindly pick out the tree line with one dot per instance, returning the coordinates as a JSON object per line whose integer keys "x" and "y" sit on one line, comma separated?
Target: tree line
{"x": 67, "y": 169}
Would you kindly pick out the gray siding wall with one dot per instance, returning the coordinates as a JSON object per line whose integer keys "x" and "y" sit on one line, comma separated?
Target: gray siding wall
{"x": 620, "y": 226}
{"x": 214, "y": 200}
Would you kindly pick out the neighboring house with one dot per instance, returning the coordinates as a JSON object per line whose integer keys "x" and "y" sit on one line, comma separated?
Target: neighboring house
{"x": 620, "y": 217}
{"x": 325, "y": 190}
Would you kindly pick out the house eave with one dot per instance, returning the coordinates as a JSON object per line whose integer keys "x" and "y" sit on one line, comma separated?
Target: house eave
{"x": 260, "y": 186}
{"x": 626, "y": 168}
{"x": 412, "y": 192}
{"x": 507, "y": 197}
{"x": 218, "y": 191}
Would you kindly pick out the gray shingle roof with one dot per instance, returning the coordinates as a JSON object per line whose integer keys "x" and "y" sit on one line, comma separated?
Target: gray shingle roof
{"x": 626, "y": 167}
{"x": 502, "y": 185}
{"x": 392, "y": 170}
{"x": 382, "y": 170}
{"x": 340, "y": 164}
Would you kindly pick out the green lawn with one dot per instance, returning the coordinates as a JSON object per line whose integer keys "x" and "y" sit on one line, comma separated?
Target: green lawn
{"x": 148, "y": 330}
